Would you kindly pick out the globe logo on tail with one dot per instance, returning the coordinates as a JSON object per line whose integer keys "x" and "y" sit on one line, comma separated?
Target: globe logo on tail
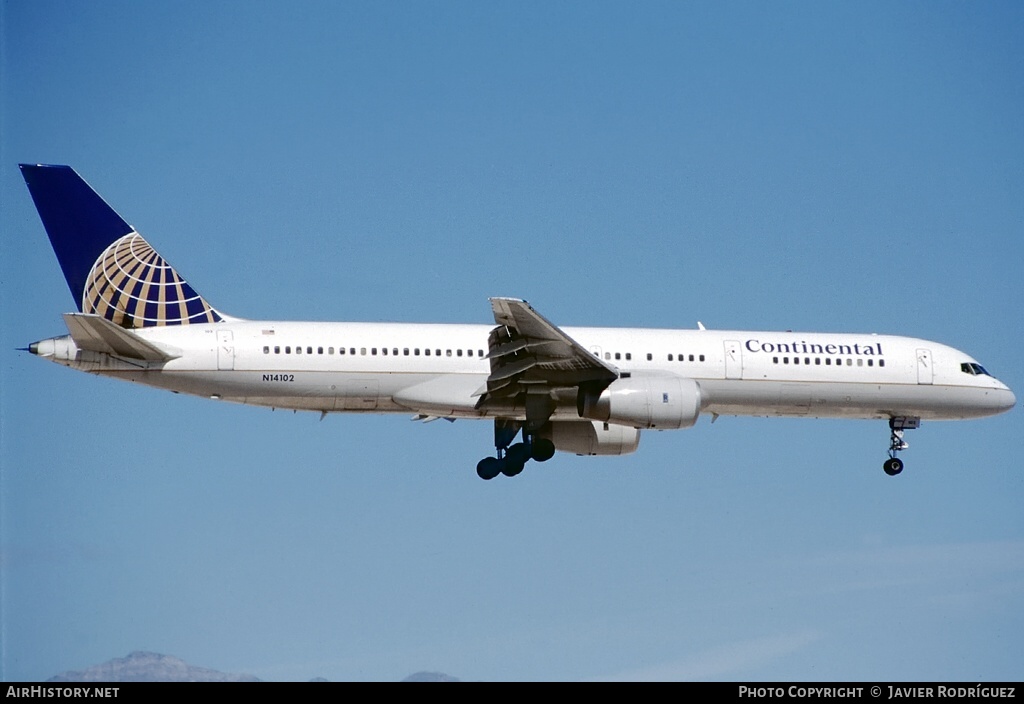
{"x": 134, "y": 287}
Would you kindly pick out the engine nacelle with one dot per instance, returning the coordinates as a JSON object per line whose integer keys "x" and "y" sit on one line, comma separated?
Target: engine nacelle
{"x": 659, "y": 402}
{"x": 585, "y": 437}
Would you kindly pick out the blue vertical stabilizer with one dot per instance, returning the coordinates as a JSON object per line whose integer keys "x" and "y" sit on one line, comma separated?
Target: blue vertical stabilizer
{"x": 80, "y": 224}
{"x": 111, "y": 270}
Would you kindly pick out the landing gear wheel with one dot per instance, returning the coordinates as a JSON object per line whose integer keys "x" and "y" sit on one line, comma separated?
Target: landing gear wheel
{"x": 897, "y": 426}
{"x": 893, "y": 466}
{"x": 509, "y": 458}
{"x": 489, "y": 467}
{"x": 542, "y": 449}
{"x": 518, "y": 453}
{"x": 511, "y": 467}
{"x": 515, "y": 457}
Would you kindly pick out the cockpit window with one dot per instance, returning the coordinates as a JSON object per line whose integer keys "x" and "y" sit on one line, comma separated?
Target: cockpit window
{"x": 973, "y": 369}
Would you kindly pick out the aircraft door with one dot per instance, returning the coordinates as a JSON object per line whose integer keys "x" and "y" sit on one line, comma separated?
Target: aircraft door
{"x": 924, "y": 367}
{"x": 733, "y": 360}
{"x": 225, "y": 350}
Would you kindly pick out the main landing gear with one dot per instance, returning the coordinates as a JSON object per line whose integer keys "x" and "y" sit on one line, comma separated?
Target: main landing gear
{"x": 511, "y": 459}
{"x": 894, "y": 465}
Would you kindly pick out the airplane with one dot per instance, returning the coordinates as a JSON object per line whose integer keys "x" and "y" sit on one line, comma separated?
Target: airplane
{"x": 583, "y": 390}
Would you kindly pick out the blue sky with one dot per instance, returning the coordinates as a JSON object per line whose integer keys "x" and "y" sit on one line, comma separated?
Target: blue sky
{"x": 786, "y": 165}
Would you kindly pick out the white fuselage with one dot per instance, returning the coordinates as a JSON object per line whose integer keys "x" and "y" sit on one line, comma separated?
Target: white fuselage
{"x": 590, "y": 391}
{"x": 440, "y": 369}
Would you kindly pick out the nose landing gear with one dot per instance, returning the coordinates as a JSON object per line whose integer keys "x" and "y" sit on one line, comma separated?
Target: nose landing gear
{"x": 897, "y": 425}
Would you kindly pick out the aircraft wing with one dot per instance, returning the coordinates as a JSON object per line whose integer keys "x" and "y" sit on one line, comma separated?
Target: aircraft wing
{"x": 96, "y": 333}
{"x": 528, "y": 352}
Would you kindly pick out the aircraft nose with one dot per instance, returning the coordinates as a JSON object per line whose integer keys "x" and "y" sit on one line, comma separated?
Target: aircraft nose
{"x": 1005, "y": 400}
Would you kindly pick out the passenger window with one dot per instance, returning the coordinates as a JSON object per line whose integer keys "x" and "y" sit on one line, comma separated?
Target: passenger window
{"x": 860, "y": 362}
{"x": 670, "y": 356}
{"x": 629, "y": 355}
{"x": 287, "y": 349}
{"x": 416, "y": 352}
{"x": 426, "y": 352}
{"x": 649, "y": 356}
{"x": 319, "y": 350}
{"x": 405, "y": 351}
{"x": 775, "y": 360}
{"x": 796, "y": 360}
{"x": 277, "y": 349}
{"x": 362, "y": 351}
{"x": 618, "y": 355}
{"x": 881, "y": 362}
{"x": 394, "y": 351}
{"x": 607, "y": 355}
{"x": 309, "y": 350}
{"x": 384, "y": 351}
{"x": 458, "y": 353}
{"x": 437, "y": 353}
{"x": 352, "y": 350}
{"x": 447, "y": 353}
{"x": 373, "y": 351}
{"x": 330, "y": 350}
{"x": 702, "y": 358}
{"x": 298, "y": 350}
{"x": 266, "y": 350}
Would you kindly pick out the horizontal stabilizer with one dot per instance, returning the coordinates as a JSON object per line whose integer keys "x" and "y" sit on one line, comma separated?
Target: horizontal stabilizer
{"x": 95, "y": 333}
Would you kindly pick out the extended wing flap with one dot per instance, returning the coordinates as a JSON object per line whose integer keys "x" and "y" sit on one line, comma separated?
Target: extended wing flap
{"x": 95, "y": 333}
{"x": 530, "y": 333}
{"x": 518, "y": 314}
{"x": 528, "y": 351}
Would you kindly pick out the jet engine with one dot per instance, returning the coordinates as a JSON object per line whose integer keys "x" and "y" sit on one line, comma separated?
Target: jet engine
{"x": 585, "y": 437}
{"x": 658, "y": 402}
